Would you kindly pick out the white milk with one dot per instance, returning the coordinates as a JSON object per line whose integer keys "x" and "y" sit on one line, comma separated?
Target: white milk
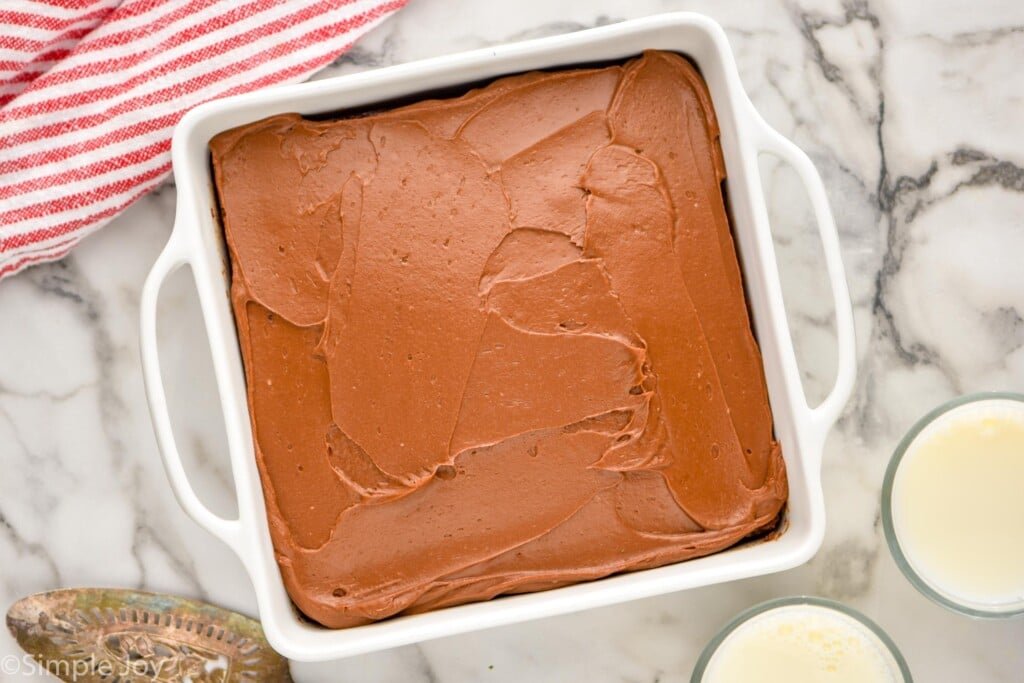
{"x": 802, "y": 644}
{"x": 958, "y": 505}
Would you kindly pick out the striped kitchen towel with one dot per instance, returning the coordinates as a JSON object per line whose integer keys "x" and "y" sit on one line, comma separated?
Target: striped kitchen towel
{"x": 90, "y": 91}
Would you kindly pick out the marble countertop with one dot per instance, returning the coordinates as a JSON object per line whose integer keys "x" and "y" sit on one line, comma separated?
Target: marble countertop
{"x": 911, "y": 110}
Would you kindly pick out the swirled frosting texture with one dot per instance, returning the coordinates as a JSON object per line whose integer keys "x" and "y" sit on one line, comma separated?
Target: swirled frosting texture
{"x": 497, "y": 343}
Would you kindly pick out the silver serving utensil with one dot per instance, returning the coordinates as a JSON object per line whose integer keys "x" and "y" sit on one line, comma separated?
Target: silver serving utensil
{"x": 100, "y": 635}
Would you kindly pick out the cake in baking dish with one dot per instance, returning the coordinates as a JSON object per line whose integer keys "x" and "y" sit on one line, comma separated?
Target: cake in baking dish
{"x": 496, "y": 343}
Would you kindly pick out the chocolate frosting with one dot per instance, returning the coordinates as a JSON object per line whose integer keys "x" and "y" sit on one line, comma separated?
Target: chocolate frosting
{"x": 497, "y": 343}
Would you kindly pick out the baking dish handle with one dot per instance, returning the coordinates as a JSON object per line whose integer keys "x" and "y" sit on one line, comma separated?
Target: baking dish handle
{"x": 827, "y": 412}
{"x": 173, "y": 256}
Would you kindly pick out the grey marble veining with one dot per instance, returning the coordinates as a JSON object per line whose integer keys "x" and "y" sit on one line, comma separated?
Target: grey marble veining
{"x": 912, "y": 112}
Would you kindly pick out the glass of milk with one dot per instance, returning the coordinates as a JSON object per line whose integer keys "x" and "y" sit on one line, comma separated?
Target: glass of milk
{"x": 953, "y": 505}
{"x": 801, "y": 640}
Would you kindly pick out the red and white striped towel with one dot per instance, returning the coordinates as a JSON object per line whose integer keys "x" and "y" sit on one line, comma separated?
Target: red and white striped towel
{"x": 90, "y": 91}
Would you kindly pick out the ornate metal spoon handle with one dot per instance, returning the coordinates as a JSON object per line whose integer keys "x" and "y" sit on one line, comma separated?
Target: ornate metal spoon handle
{"x": 106, "y": 635}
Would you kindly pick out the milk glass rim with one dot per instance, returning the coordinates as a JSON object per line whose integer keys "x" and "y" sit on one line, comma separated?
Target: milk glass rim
{"x": 915, "y": 579}
{"x": 712, "y": 647}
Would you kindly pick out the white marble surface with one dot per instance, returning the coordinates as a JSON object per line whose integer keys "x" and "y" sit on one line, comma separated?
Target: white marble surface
{"x": 912, "y": 110}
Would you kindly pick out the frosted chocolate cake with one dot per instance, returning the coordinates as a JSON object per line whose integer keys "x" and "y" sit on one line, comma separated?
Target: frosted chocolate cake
{"x": 496, "y": 343}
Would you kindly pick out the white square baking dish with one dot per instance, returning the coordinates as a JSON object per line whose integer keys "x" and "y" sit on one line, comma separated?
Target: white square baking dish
{"x": 197, "y": 241}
